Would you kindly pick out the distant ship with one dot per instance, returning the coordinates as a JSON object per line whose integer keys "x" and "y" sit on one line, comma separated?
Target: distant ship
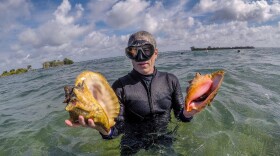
{"x": 220, "y": 48}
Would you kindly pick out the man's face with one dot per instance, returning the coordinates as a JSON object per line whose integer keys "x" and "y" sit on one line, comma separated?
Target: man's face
{"x": 146, "y": 67}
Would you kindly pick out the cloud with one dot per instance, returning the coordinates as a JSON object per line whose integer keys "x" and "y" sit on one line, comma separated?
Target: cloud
{"x": 233, "y": 33}
{"x": 259, "y": 11}
{"x": 52, "y": 33}
{"x": 102, "y": 45}
{"x": 61, "y": 13}
{"x": 126, "y": 13}
{"x": 150, "y": 23}
{"x": 60, "y": 30}
{"x": 98, "y": 9}
{"x": 11, "y": 12}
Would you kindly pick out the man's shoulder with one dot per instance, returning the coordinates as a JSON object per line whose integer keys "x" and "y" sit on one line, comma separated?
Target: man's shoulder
{"x": 124, "y": 78}
{"x": 120, "y": 81}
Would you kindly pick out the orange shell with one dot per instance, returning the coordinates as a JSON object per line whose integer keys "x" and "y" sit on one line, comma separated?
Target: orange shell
{"x": 202, "y": 90}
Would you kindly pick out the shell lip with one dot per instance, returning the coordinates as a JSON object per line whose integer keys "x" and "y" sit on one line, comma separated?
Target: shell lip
{"x": 203, "y": 98}
{"x": 216, "y": 81}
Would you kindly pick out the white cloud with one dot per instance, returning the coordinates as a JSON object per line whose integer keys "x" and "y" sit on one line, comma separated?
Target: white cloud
{"x": 29, "y": 36}
{"x": 99, "y": 8}
{"x": 51, "y": 33}
{"x": 227, "y": 34}
{"x": 60, "y": 30}
{"x": 206, "y": 6}
{"x": 102, "y": 45}
{"x": 26, "y": 57}
{"x": 10, "y": 11}
{"x": 96, "y": 39}
{"x": 61, "y": 14}
{"x": 150, "y": 24}
{"x": 80, "y": 10}
{"x": 240, "y": 10}
{"x": 11, "y": 15}
{"x": 126, "y": 13}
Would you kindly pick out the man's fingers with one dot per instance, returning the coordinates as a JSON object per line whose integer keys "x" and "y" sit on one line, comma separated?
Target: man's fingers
{"x": 82, "y": 120}
{"x": 91, "y": 123}
{"x": 70, "y": 124}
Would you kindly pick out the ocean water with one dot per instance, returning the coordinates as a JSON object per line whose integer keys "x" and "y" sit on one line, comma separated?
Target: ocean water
{"x": 244, "y": 118}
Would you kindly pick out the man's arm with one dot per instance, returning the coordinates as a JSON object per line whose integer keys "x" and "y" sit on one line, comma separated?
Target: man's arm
{"x": 178, "y": 102}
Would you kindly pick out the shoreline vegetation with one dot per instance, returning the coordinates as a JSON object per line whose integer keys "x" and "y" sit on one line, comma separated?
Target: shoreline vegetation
{"x": 48, "y": 64}
{"x": 56, "y": 63}
{"x": 16, "y": 71}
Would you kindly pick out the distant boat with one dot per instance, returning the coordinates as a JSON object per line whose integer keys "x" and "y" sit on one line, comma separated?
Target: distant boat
{"x": 220, "y": 48}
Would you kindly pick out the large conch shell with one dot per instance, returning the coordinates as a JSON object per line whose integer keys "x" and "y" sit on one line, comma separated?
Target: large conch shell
{"x": 93, "y": 98}
{"x": 202, "y": 90}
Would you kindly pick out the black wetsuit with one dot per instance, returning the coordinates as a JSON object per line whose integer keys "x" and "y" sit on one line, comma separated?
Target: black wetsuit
{"x": 146, "y": 103}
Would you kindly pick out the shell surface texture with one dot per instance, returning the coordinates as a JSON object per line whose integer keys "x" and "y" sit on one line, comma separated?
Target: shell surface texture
{"x": 202, "y": 90}
{"x": 93, "y": 98}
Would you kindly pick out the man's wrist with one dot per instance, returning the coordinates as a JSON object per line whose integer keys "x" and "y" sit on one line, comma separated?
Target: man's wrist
{"x": 108, "y": 135}
{"x": 185, "y": 118}
{"x": 187, "y": 114}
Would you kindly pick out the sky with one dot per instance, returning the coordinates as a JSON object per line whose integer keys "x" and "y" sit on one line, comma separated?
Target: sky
{"x": 35, "y": 31}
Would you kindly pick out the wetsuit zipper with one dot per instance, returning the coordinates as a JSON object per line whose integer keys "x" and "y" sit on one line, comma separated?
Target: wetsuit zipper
{"x": 150, "y": 97}
{"x": 148, "y": 88}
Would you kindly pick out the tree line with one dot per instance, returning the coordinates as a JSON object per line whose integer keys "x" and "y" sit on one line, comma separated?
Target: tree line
{"x": 16, "y": 71}
{"x": 56, "y": 63}
{"x": 47, "y": 64}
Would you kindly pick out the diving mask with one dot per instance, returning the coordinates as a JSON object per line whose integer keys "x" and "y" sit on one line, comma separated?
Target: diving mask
{"x": 140, "y": 51}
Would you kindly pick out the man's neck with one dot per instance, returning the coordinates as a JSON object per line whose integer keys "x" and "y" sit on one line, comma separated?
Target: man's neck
{"x": 146, "y": 74}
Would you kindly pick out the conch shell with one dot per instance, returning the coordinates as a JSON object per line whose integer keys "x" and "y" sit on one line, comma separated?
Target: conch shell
{"x": 202, "y": 90}
{"x": 93, "y": 98}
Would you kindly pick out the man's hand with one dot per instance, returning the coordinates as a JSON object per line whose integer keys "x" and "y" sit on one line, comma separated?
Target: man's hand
{"x": 83, "y": 123}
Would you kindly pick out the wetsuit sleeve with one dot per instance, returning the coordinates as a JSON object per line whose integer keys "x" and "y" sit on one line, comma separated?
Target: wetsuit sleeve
{"x": 117, "y": 129}
{"x": 177, "y": 100}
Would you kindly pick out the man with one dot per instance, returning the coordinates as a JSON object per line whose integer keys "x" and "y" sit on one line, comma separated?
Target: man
{"x": 146, "y": 98}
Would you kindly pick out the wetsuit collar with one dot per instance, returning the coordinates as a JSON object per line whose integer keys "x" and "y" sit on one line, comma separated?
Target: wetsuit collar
{"x": 145, "y": 79}
{"x": 137, "y": 74}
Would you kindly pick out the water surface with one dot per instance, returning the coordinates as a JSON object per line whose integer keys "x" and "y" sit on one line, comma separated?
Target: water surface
{"x": 244, "y": 118}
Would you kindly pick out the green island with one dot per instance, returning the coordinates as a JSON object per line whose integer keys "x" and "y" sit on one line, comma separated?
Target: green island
{"x": 56, "y": 63}
{"x": 16, "y": 71}
{"x": 46, "y": 65}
